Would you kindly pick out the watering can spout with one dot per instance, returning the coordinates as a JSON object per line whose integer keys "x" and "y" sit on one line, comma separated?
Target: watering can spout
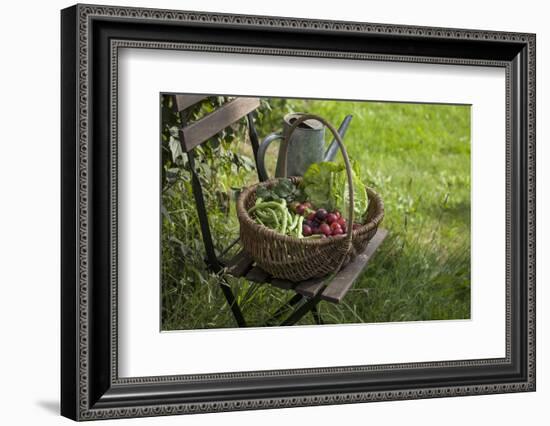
{"x": 332, "y": 149}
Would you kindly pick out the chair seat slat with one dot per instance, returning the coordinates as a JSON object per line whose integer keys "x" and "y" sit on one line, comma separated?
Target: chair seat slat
{"x": 258, "y": 275}
{"x": 343, "y": 281}
{"x": 202, "y": 130}
{"x": 239, "y": 264}
{"x": 311, "y": 287}
{"x": 185, "y": 101}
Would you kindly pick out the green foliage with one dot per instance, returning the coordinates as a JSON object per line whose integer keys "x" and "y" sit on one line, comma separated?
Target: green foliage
{"x": 223, "y": 170}
{"x": 417, "y": 156}
{"x": 269, "y": 117}
{"x": 326, "y": 186}
{"x": 320, "y": 184}
{"x": 282, "y": 190}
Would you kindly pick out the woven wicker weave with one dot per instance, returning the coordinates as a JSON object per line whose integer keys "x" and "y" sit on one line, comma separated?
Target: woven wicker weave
{"x": 298, "y": 259}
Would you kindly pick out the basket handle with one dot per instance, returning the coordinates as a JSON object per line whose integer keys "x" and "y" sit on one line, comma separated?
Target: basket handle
{"x": 284, "y": 148}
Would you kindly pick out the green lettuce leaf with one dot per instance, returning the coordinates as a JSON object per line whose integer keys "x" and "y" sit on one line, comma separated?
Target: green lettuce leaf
{"x": 325, "y": 185}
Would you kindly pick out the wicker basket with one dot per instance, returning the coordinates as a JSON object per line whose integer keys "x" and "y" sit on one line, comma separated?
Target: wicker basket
{"x": 298, "y": 259}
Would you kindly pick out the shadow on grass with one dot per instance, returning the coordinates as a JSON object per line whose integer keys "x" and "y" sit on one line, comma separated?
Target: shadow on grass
{"x": 409, "y": 282}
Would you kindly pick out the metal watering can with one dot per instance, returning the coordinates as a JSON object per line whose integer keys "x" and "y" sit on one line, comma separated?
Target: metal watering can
{"x": 306, "y": 146}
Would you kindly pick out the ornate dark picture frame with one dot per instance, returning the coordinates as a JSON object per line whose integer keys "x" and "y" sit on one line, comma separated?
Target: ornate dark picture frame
{"x": 91, "y": 37}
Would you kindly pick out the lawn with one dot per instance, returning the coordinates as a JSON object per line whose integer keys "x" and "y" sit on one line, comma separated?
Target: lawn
{"x": 417, "y": 156}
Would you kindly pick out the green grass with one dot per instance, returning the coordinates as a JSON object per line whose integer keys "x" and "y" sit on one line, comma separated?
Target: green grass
{"x": 417, "y": 156}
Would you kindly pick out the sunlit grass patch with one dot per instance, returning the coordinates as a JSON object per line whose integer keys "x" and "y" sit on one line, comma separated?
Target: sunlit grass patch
{"x": 417, "y": 156}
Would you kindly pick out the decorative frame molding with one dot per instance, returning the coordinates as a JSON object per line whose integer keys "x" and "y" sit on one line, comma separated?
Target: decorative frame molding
{"x": 91, "y": 388}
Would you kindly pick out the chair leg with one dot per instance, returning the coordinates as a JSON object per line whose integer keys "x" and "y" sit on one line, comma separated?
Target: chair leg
{"x": 316, "y": 315}
{"x": 254, "y": 141}
{"x": 303, "y": 308}
{"x": 279, "y": 312}
{"x": 230, "y": 297}
{"x": 203, "y": 216}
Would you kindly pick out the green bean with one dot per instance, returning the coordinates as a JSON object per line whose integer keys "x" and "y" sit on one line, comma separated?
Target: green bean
{"x": 275, "y": 215}
{"x": 268, "y": 204}
{"x": 291, "y": 225}
{"x": 290, "y": 220}
{"x": 263, "y": 214}
{"x": 294, "y": 221}
{"x": 283, "y": 215}
{"x": 299, "y": 227}
{"x": 285, "y": 219}
{"x": 275, "y": 219}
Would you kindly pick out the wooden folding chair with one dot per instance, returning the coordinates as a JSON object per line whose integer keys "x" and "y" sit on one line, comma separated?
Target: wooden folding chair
{"x": 307, "y": 294}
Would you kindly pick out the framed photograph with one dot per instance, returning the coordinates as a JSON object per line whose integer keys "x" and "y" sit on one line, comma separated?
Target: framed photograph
{"x": 263, "y": 212}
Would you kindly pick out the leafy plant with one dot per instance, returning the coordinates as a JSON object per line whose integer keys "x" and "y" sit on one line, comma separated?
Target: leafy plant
{"x": 421, "y": 271}
{"x": 326, "y": 186}
{"x": 284, "y": 189}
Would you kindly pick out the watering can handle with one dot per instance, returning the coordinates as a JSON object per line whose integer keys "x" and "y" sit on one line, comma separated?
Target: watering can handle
{"x": 262, "y": 150}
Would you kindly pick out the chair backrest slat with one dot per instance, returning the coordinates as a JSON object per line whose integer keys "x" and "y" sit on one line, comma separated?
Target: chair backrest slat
{"x": 203, "y": 129}
{"x": 185, "y": 101}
